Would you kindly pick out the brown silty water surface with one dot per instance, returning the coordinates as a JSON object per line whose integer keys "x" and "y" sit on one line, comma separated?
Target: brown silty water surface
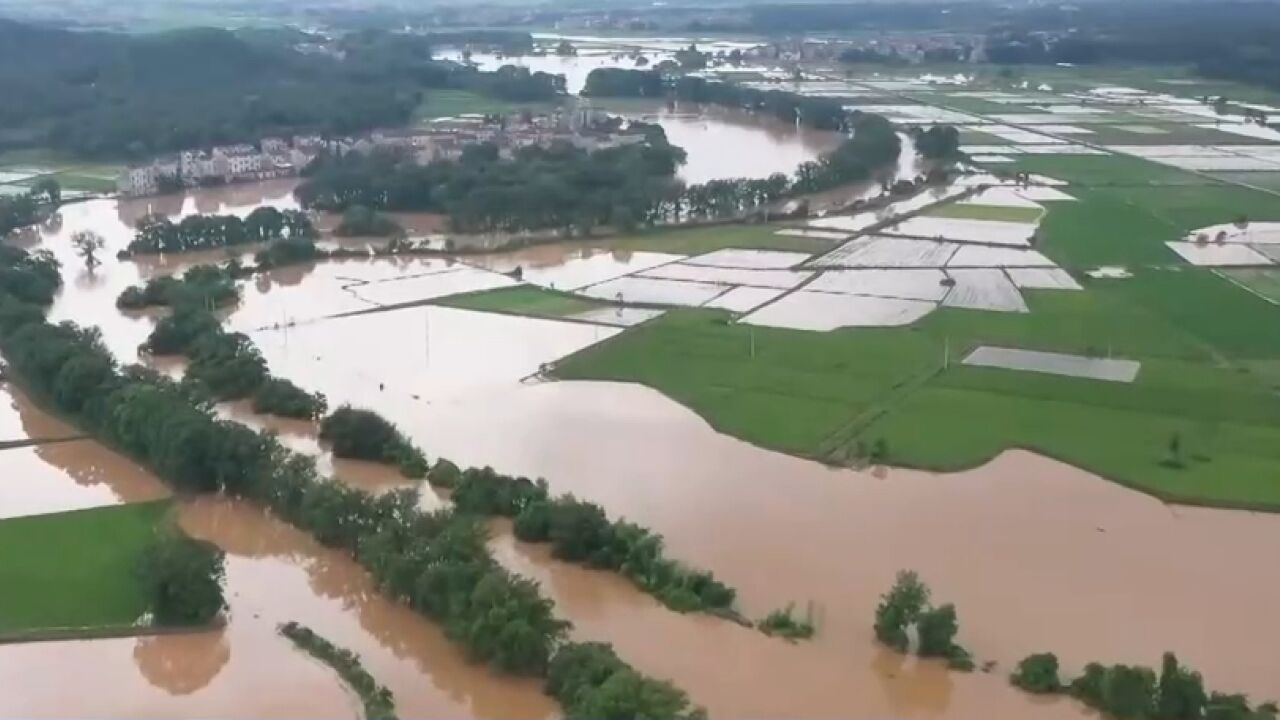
{"x": 60, "y": 476}
{"x": 1036, "y": 555}
{"x": 274, "y": 574}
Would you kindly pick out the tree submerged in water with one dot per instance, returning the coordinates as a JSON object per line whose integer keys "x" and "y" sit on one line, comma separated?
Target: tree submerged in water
{"x": 906, "y": 605}
{"x": 87, "y": 244}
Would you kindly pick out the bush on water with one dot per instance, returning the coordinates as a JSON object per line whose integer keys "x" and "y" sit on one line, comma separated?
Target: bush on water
{"x": 784, "y": 623}
{"x": 206, "y": 286}
{"x": 581, "y": 532}
{"x": 906, "y": 605}
{"x": 365, "y": 435}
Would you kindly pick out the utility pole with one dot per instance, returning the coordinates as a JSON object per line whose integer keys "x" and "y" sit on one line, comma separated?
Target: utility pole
{"x": 946, "y": 352}
{"x": 753, "y": 343}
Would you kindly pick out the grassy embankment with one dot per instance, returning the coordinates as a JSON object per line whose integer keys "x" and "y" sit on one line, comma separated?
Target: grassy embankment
{"x": 74, "y": 569}
{"x": 1209, "y": 351}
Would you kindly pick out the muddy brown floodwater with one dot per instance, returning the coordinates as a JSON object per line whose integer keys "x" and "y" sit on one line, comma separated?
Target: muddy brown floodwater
{"x": 1036, "y": 555}
{"x": 274, "y": 574}
{"x": 61, "y": 476}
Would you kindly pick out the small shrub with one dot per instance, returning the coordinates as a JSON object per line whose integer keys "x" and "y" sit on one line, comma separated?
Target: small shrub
{"x": 783, "y": 623}
{"x": 1038, "y": 674}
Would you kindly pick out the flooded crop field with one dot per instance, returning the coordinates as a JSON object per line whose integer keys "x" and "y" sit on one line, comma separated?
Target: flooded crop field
{"x": 665, "y": 384}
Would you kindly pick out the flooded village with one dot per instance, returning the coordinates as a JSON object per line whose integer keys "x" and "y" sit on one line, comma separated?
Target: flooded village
{"x": 1038, "y": 552}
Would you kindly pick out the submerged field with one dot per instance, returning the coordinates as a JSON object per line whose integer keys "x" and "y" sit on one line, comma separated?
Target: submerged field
{"x": 74, "y": 569}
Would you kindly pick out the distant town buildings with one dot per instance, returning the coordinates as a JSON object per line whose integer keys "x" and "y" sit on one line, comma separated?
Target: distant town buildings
{"x": 443, "y": 139}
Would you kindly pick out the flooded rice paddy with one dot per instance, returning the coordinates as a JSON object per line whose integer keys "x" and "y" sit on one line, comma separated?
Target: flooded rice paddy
{"x": 1036, "y": 555}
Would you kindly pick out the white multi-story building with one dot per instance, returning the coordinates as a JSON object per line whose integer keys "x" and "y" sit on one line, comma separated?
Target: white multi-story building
{"x": 241, "y": 160}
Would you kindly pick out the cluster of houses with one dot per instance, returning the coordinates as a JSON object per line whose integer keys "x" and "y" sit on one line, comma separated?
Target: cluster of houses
{"x": 442, "y": 139}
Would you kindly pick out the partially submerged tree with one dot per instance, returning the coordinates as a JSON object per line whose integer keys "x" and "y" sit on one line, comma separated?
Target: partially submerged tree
{"x": 899, "y": 608}
{"x": 87, "y": 244}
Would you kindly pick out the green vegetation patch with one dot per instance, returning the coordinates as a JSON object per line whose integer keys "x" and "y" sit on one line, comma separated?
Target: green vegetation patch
{"x": 1229, "y": 462}
{"x": 695, "y": 241}
{"x": 794, "y": 390}
{"x": 1234, "y": 322}
{"x": 1103, "y": 170}
{"x": 1130, "y": 224}
{"x": 971, "y": 211}
{"x": 1201, "y": 422}
{"x": 523, "y": 300}
{"x": 75, "y": 569}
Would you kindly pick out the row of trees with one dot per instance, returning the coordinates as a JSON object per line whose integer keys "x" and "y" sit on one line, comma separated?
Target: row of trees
{"x": 580, "y": 532}
{"x": 436, "y": 563}
{"x": 366, "y": 435}
{"x": 378, "y": 702}
{"x": 906, "y": 605}
{"x": 593, "y": 683}
{"x": 159, "y": 234}
{"x": 362, "y": 221}
{"x": 1134, "y": 692}
{"x": 227, "y": 365}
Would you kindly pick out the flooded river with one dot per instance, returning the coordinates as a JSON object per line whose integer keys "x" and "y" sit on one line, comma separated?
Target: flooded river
{"x": 1036, "y": 555}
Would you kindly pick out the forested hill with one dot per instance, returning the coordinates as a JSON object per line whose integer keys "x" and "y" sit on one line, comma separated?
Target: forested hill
{"x": 114, "y": 95}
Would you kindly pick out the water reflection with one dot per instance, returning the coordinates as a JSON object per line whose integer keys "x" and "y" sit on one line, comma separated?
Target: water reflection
{"x": 59, "y": 476}
{"x": 730, "y": 142}
{"x": 276, "y": 573}
{"x": 182, "y": 664}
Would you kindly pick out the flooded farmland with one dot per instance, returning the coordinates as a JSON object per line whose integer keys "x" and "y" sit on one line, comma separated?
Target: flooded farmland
{"x": 1036, "y": 555}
